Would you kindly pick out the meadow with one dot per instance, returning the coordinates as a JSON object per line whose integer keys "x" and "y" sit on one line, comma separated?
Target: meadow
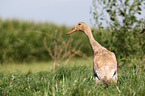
{"x": 71, "y": 79}
{"x": 29, "y": 65}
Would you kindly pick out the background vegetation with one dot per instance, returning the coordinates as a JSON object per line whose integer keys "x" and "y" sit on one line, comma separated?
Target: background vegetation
{"x": 24, "y": 41}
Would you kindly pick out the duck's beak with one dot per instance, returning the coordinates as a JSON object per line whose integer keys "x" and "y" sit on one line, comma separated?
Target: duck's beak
{"x": 73, "y": 30}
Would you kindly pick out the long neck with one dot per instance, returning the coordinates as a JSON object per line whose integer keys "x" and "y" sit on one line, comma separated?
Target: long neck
{"x": 94, "y": 44}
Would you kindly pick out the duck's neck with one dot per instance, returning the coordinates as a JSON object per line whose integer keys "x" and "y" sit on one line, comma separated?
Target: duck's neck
{"x": 94, "y": 44}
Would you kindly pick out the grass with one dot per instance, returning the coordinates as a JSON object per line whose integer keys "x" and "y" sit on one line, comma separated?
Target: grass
{"x": 71, "y": 79}
{"x": 25, "y": 67}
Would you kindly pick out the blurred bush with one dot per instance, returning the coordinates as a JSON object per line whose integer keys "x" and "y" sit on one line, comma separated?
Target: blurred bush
{"x": 20, "y": 42}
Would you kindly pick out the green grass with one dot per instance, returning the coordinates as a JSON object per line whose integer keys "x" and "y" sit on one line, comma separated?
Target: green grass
{"x": 26, "y": 67}
{"x": 71, "y": 79}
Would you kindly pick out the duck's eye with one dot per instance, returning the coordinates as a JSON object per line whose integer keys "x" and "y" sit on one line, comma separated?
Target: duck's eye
{"x": 79, "y": 24}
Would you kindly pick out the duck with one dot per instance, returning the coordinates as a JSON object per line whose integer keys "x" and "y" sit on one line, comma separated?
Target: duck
{"x": 104, "y": 63}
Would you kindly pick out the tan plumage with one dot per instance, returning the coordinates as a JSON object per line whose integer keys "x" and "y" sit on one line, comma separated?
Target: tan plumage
{"x": 105, "y": 64}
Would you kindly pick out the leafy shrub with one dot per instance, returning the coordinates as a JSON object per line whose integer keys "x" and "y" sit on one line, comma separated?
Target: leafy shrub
{"x": 123, "y": 24}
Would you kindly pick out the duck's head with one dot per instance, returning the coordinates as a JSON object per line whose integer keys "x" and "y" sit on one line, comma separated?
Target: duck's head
{"x": 81, "y": 26}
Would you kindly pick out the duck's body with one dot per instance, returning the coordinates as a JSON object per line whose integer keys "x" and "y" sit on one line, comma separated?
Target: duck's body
{"x": 105, "y": 64}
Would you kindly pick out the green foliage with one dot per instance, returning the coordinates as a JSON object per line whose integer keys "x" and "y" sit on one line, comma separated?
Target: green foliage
{"x": 73, "y": 79}
{"x": 19, "y": 40}
{"x": 122, "y": 13}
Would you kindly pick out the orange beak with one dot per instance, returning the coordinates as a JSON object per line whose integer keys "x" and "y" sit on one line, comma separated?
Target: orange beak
{"x": 73, "y": 30}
